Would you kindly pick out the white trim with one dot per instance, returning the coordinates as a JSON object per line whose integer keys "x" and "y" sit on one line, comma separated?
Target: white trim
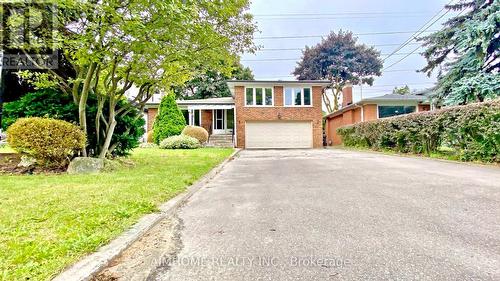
{"x": 235, "y": 125}
{"x": 301, "y": 97}
{"x": 254, "y": 91}
{"x": 209, "y": 107}
{"x": 363, "y": 113}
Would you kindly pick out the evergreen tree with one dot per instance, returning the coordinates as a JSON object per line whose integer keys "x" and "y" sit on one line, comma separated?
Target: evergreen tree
{"x": 169, "y": 121}
{"x": 466, "y": 53}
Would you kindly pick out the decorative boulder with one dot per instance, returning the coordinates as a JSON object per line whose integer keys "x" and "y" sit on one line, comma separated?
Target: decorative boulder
{"x": 85, "y": 165}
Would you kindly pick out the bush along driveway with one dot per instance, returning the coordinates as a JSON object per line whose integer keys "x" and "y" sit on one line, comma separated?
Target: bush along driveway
{"x": 50, "y": 221}
{"x": 468, "y": 133}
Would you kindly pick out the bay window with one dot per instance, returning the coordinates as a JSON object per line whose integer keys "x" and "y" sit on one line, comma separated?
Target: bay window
{"x": 298, "y": 97}
{"x": 259, "y": 97}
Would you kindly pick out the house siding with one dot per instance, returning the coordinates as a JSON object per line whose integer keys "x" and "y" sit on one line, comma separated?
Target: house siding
{"x": 279, "y": 113}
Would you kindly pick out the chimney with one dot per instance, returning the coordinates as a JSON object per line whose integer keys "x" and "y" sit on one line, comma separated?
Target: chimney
{"x": 347, "y": 95}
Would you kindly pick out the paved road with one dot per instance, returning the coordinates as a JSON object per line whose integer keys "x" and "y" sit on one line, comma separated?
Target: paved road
{"x": 340, "y": 215}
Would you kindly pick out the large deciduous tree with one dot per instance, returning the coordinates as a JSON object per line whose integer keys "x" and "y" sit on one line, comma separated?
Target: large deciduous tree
{"x": 341, "y": 60}
{"x": 212, "y": 83}
{"x": 466, "y": 53}
{"x": 151, "y": 44}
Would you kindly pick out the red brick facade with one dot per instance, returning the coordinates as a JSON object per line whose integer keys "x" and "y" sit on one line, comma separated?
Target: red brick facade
{"x": 353, "y": 115}
{"x": 279, "y": 112}
{"x": 152, "y": 112}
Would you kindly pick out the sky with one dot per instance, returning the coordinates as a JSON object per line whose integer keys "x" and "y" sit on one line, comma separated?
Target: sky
{"x": 313, "y": 18}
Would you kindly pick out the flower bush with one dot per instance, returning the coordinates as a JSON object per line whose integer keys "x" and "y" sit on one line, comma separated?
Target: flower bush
{"x": 50, "y": 141}
{"x": 472, "y": 132}
{"x": 196, "y": 132}
{"x": 180, "y": 142}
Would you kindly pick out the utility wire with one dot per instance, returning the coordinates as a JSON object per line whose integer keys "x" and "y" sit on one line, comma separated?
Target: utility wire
{"x": 297, "y": 59}
{"x": 339, "y": 14}
{"x": 421, "y": 30}
{"x": 394, "y": 70}
{"x": 339, "y": 17}
{"x": 300, "y": 49}
{"x": 320, "y": 36}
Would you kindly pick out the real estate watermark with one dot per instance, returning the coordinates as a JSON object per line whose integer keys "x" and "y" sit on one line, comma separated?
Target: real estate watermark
{"x": 28, "y": 34}
{"x": 254, "y": 261}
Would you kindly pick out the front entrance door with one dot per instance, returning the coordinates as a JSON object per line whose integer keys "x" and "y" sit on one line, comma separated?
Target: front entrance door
{"x": 223, "y": 121}
{"x": 219, "y": 121}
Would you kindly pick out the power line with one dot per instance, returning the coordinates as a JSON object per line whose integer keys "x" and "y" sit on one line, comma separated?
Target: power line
{"x": 300, "y": 49}
{"x": 339, "y": 17}
{"x": 339, "y": 14}
{"x": 320, "y": 36}
{"x": 400, "y": 60}
{"x": 421, "y": 30}
{"x": 394, "y": 70}
{"x": 297, "y": 59}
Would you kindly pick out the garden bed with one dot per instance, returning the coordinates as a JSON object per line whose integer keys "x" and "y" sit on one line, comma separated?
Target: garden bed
{"x": 9, "y": 162}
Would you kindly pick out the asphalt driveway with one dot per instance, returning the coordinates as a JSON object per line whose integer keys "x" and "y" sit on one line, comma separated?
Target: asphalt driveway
{"x": 340, "y": 215}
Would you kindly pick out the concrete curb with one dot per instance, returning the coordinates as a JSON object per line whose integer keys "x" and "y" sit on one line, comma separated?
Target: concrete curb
{"x": 89, "y": 266}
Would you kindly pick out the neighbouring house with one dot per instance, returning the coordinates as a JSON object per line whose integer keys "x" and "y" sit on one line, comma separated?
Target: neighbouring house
{"x": 370, "y": 109}
{"x": 260, "y": 114}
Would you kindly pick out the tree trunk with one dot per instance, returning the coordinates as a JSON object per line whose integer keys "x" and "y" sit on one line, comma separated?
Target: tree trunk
{"x": 110, "y": 130}
{"x": 82, "y": 105}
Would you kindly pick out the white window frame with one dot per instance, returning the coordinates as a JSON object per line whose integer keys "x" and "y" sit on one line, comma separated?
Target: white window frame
{"x": 254, "y": 90}
{"x": 301, "y": 97}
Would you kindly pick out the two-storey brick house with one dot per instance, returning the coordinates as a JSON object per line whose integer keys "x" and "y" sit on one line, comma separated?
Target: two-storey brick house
{"x": 261, "y": 114}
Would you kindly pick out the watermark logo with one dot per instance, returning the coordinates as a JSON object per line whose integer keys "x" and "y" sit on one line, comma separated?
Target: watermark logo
{"x": 28, "y": 34}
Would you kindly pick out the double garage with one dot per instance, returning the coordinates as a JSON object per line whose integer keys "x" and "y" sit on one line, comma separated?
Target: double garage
{"x": 278, "y": 134}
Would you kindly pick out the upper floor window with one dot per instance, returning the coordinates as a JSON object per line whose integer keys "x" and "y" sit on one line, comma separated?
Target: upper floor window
{"x": 298, "y": 97}
{"x": 394, "y": 110}
{"x": 259, "y": 96}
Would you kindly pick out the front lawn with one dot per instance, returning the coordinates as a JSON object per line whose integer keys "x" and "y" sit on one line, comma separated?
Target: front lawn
{"x": 50, "y": 221}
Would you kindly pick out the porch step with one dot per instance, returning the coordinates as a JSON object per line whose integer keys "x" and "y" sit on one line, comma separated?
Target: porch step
{"x": 220, "y": 141}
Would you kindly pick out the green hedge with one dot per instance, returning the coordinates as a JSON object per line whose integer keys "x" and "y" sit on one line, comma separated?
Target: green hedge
{"x": 472, "y": 132}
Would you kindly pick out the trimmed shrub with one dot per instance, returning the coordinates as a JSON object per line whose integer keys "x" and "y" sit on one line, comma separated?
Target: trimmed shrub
{"x": 180, "y": 142}
{"x": 471, "y": 131}
{"x": 196, "y": 132}
{"x": 50, "y": 141}
{"x": 54, "y": 104}
{"x": 169, "y": 121}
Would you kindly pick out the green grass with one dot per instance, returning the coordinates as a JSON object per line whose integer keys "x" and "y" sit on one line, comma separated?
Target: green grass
{"x": 48, "y": 222}
{"x": 6, "y": 149}
{"x": 443, "y": 153}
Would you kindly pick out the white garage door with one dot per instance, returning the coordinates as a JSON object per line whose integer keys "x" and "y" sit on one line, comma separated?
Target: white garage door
{"x": 282, "y": 134}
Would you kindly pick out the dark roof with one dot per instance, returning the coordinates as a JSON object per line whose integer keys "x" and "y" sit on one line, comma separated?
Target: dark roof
{"x": 224, "y": 100}
{"x": 314, "y": 82}
{"x": 396, "y": 97}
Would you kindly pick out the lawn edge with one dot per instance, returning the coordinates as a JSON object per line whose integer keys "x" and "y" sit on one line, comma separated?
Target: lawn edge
{"x": 89, "y": 266}
{"x": 415, "y": 156}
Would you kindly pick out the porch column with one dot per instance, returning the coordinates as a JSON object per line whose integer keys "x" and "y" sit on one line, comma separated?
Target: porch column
{"x": 190, "y": 113}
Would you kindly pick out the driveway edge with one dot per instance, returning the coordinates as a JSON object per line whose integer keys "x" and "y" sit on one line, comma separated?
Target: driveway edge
{"x": 89, "y": 266}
